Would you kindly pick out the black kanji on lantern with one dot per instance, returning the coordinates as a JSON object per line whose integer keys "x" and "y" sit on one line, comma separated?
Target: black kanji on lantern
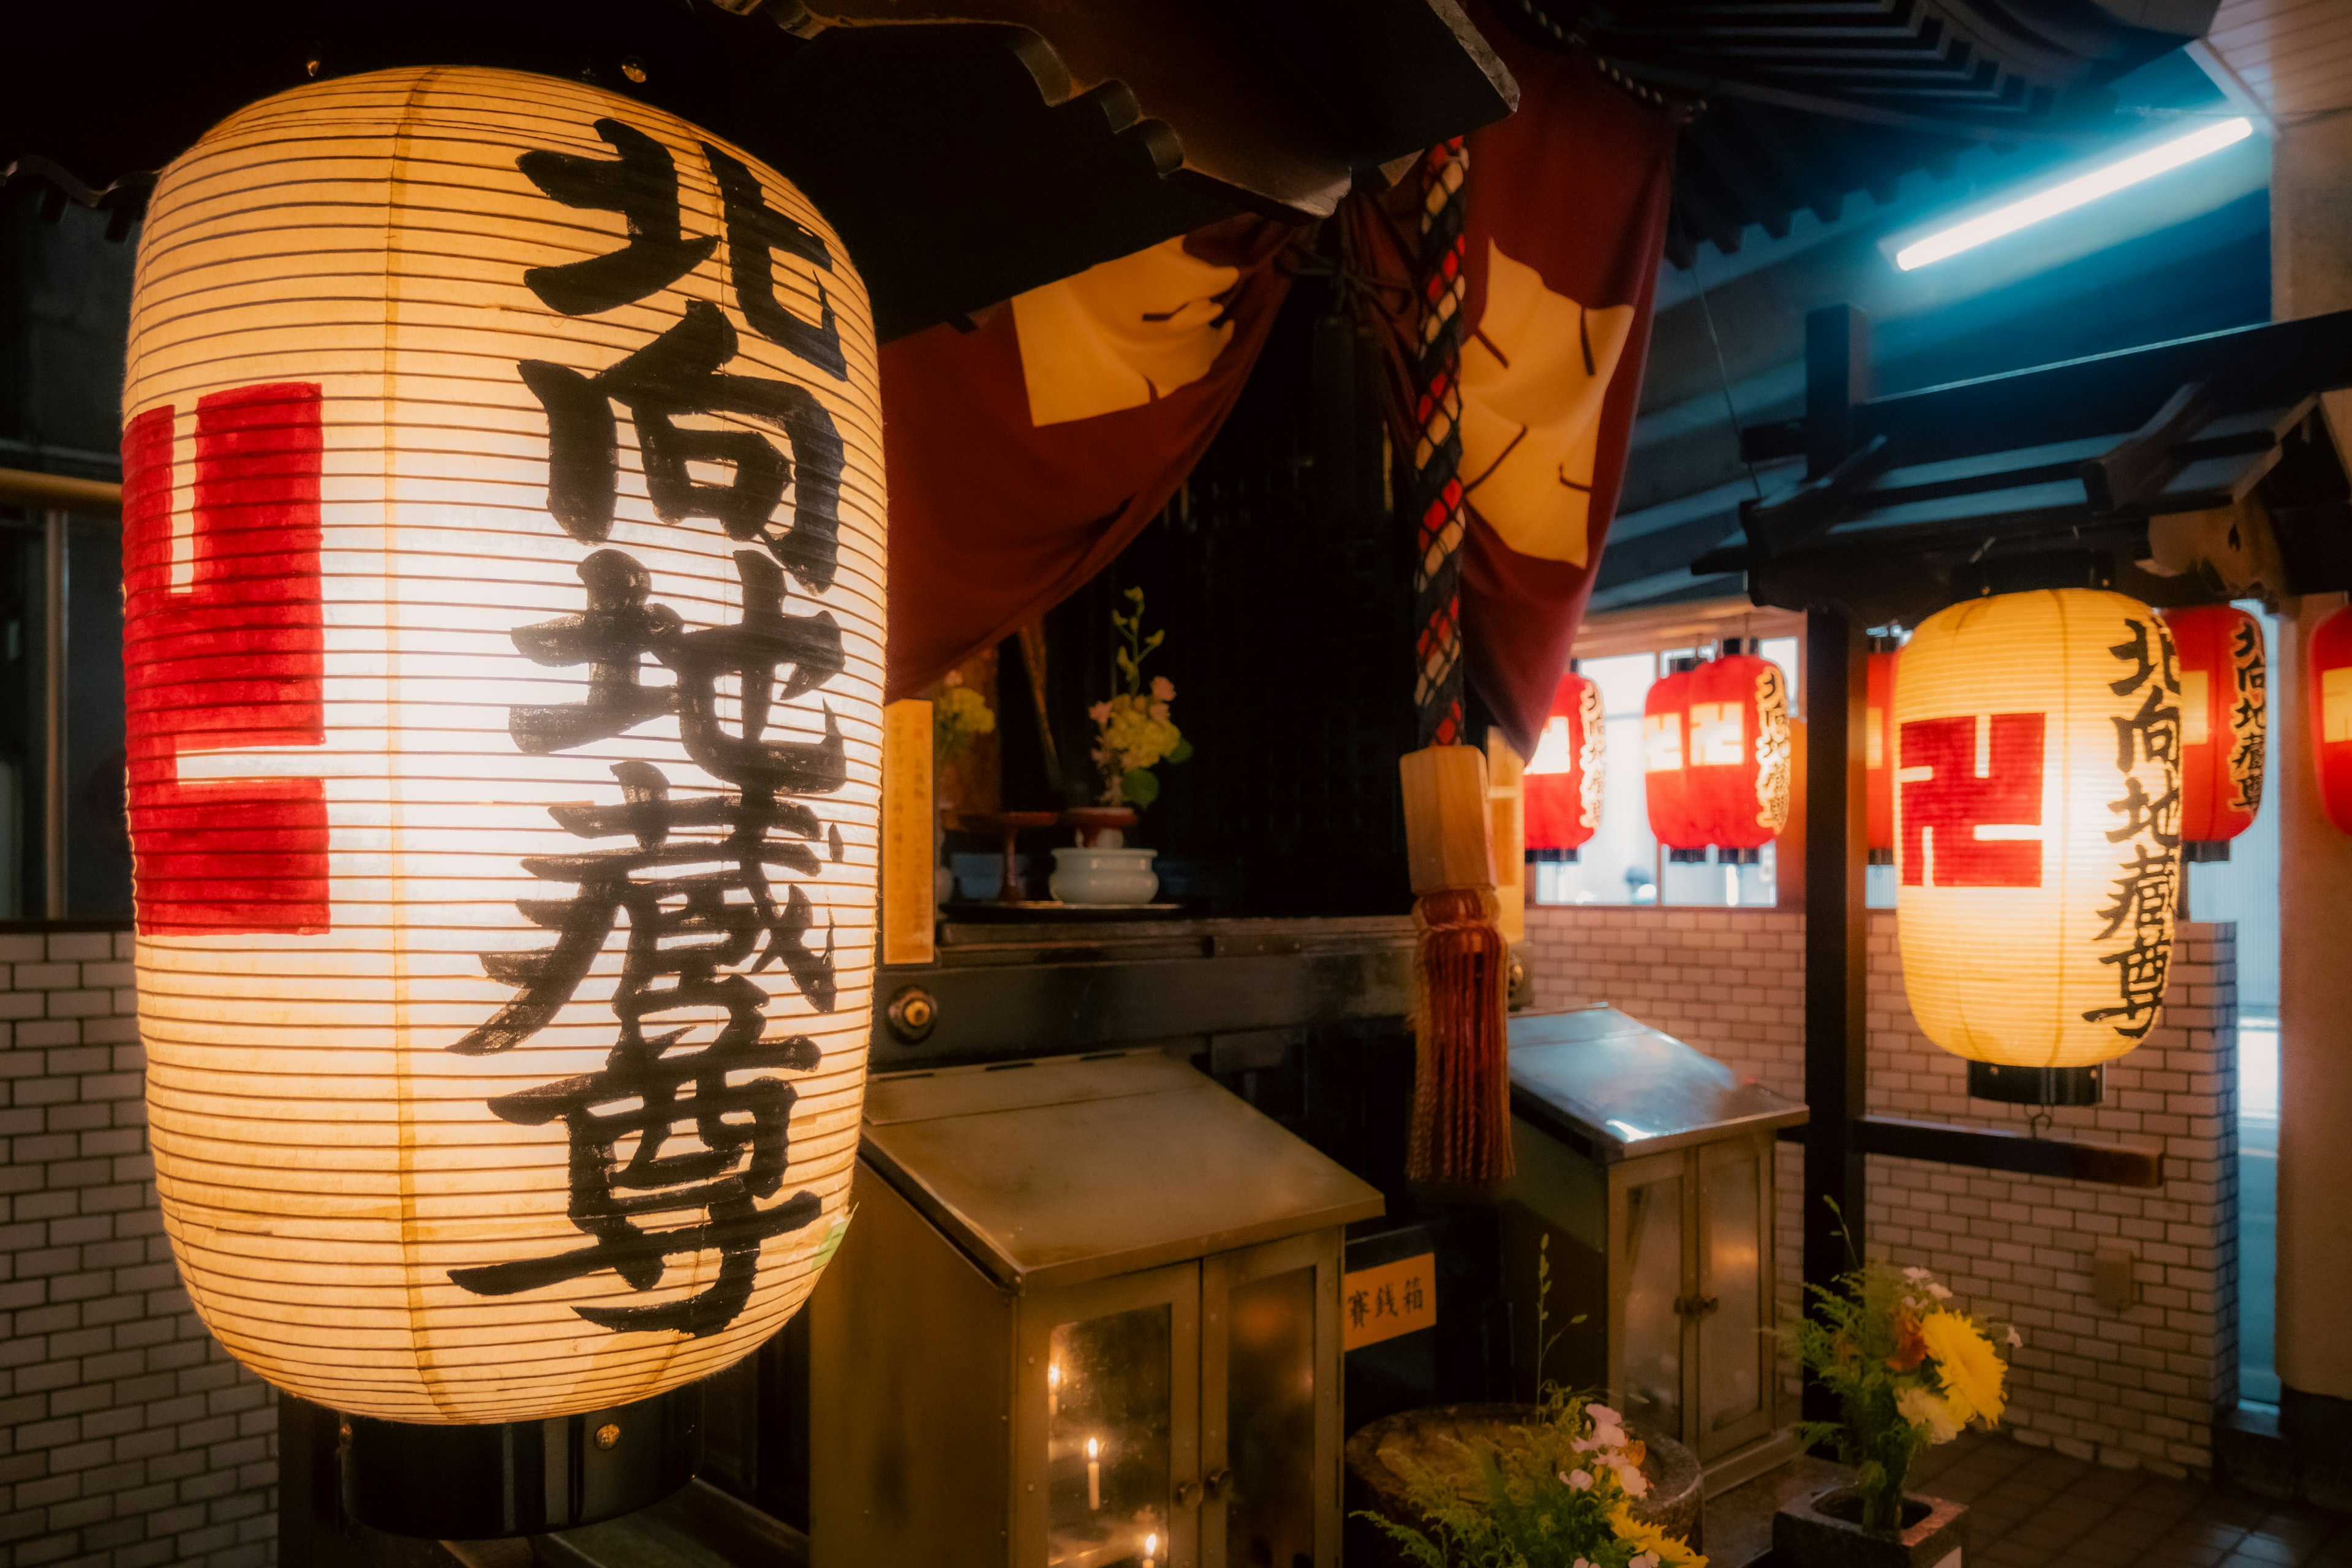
{"x": 673, "y": 1147}
{"x": 2141, "y": 904}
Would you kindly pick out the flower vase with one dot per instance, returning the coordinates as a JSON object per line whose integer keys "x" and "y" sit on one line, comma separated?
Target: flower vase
{"x": 1825, "y": 1530}
{"x": 1104, "y": 876}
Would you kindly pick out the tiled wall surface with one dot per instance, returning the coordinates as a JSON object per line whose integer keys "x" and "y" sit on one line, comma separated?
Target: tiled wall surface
{"x": 128, "y": 1437}
{"x": 2134, "y": 1386}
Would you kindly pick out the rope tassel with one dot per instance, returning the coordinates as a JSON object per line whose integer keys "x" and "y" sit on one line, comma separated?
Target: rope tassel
{"x": 1461, "y": 1131}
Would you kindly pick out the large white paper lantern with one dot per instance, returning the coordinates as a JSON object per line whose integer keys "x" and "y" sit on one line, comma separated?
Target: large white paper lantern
{"x": 503, "y": 529}
{"x": 2037, "y": 803}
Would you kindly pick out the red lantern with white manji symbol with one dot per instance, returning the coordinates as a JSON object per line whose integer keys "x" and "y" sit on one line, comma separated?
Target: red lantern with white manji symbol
{"x": 1562, "y": 782}
{"x": 1738, "y": 749}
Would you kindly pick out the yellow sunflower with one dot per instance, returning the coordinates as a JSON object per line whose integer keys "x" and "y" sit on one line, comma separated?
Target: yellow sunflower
{"x": 1672, "y": 1550}
{"x": 1966, "y": 1365}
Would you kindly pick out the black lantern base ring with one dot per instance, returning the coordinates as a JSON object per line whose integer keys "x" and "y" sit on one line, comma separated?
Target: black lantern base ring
{"x": 519, "y": 1478}
{"x": 2035, "y": 1086}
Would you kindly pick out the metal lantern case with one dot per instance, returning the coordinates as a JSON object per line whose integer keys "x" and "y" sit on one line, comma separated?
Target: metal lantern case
{"x": 1562, "y": 784}
{"x": 1737, "y": 749}
{"x": 504, "y": 548}
{"x": 2223, "y": 720}
{"x": 1090, "y": 1314}
{"x": 2329, "y": 663}
{"x": 1665, "y": 758}
{"x": 2037, "y": 833}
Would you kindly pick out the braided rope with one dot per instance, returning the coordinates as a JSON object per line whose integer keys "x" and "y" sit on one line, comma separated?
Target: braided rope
{"x": 1438, "y": 504}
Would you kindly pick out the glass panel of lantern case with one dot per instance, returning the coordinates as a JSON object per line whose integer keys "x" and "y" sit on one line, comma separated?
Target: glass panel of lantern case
{"x": 1731, "y": 1353}
{"x": 1270, "y": 1422}
{"x": 1653, "y": 1322}
{"x": 1108, "y": 1427}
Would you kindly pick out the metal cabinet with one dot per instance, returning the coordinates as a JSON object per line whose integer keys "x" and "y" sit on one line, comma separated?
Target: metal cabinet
{"x": 1643, "y": 1206}
{"x": 1087, "y": 1316}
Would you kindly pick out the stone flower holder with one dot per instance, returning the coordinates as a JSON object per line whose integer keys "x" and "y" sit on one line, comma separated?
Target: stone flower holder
{"x": 1825, "y": 1530}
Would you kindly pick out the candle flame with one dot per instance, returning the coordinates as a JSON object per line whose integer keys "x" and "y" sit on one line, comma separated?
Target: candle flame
{"x": 1092, "y": 1448}
{"x": 1052, "y": 1375}
{"x": 1151, "y": 1546}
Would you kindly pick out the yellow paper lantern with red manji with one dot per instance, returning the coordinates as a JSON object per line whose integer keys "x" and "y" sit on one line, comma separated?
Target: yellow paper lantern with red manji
{"x": 504, "y": 541}
{"x": 1562, "y": 786}
{"x": 2037, "y": 831}
{"x": 1665, "y": 772}
{"x": 1738, "y": 753}
{"x": 2225, "y": 720}
{"x": 2328, "y": 661}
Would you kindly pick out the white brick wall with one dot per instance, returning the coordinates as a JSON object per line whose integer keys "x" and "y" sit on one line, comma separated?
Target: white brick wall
{"x": 128, "y": 1437}
{"x": 2135, "y": 1387}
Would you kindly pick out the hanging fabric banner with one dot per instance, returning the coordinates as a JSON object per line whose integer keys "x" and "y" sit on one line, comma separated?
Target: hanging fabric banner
{"x": 1565, "y": 223}
{"x": 1025, "y": 453}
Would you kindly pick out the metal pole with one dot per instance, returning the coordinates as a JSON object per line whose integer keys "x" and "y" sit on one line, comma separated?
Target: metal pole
{"x": 1837, "y": 696}
{"x": 53, "y": 714}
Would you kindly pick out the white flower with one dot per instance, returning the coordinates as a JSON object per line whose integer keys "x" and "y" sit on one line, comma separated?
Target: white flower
{"x": 2016, "y": 1340}
{"x": 1912, "y": 1302}
{"x": 1915, "y": 1275}
{"x": 1162, "y": 689}
{"x": 1603, "y": 1416}
{"x": 1584, "y": 1445}
{"x": 1923, "y": 1408}
{"x": 1579, "y": 1480}
{"x": 1941, "y": 1292}
{"x": 1635, "y": 1483}
{"x": 1583, "y": 1563}
{"x": 1645, "y": 1560}
{"x": 1099, "y": 713}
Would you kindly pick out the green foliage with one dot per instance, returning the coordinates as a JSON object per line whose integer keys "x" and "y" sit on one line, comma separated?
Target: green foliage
{"x": 1520, "y": 1504}
{"x": 1908, "y": 1372}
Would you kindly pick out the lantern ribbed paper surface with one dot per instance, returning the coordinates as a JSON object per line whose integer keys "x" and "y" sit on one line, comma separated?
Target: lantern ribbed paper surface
{"x": 503, "y": 536}
{"x": 1737, "y": 752}
{"x": 2223, "y": 719}
{"x": 1563, "y": 781}
{"x": 1665, "y": 753}
{"x": 2329, "y": 665}
{"x": 2037, "y": 825}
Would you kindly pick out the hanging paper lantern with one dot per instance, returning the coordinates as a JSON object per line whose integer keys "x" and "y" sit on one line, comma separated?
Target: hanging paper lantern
{"x": 503, "y": 540}
{"x": 2330, "y": 662}
{"x": 1738, "y": 751}
{"x": 1563, "y": 781}
{"x": 1878, "y": 779}
{"x": 2223, "y": 721}
{"x": 1666, "y": 775}
{"x": 2038, "y": 825}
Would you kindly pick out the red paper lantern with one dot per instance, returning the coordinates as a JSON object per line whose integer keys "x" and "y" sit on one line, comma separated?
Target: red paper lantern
{"x": 1562, "y": 786}
{"x": 1665, "y": 775}
{"x": 1878, "y": 788}
{"x": 1736, "y": 749}
{"x": 2222, "y": 720}
{"x": 2330, "y": 666}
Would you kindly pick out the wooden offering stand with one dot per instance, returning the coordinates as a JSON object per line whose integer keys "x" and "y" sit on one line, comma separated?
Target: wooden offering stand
{"x": 1009, "y": 823}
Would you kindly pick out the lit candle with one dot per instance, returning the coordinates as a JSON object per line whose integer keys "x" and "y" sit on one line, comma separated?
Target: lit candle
{"x": 1052, "y": 1388}
{"x": 1094, "y": 1474}
{"x": 1150, "y": 1549}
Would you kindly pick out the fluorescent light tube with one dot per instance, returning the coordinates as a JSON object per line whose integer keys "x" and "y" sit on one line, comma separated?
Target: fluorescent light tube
{"x": 2073, "y": 193}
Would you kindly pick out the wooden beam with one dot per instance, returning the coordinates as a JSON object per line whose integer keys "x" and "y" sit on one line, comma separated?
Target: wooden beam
{"x": 1989, "y": 1148}
{"x": 21, "y": 486}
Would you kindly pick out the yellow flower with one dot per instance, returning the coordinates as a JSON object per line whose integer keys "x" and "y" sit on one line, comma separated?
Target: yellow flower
{"x": 1966, "y": 1365}
{"x": 1671, "y": 1551}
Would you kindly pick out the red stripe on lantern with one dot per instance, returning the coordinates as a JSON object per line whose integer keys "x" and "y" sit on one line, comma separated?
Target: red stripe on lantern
{"x": 2330, "y": 662}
